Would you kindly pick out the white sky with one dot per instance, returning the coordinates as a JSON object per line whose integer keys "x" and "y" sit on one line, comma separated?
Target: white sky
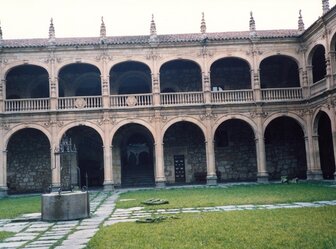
{"x": 81, "y": 18}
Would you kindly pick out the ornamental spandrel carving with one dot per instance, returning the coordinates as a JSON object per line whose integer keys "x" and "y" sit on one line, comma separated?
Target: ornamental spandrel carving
{"x": 53, "y": 122}
{"x": 5, "y": 125}
{"x": 80, "y": 103}
{"x": 4, "y": 61}
{"x": 153, "y": 55}
{"x": 305, "y": 111}
{"x": 161, "y": 118}
{"x": 106, "y": 120}
{"x": 208, "y": 116}
{"x": 104, "y": 56}
{"x": 258, "y": 114}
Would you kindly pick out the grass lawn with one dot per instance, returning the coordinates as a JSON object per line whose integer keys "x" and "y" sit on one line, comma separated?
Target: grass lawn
{"x": 12, "y": 207}
{"x": 250, "y": 194}
{"x": 308, "y": 228}
{"x": 4, "y": 235}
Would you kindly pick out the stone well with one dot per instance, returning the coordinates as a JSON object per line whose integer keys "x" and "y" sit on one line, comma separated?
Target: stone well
{"x": 65, "y": 206}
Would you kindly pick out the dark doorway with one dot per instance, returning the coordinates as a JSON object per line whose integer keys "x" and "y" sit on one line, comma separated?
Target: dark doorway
{"x": 326, "y": 146}
{"x": 179, "y": 168}
{"x": 90, "y": 161}
{"x": 133, "y": 151}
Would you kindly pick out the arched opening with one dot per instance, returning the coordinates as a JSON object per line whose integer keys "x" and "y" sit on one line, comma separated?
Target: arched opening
{"x": 326, "y": 148}
{"x": 230, "y": 74}
{"x": 333, "y": 52}
{"x": 28, "y": 162}
{"x": 184, "y": 154}
{"x": 89, "y": 157}
{"x": 318, "y": 63}
{"x": 235, "y": 152}
{"x": 27, "y": 81}
{"x": 133, "y": 158}
{"x": 181, "y": 75}
{"x": 79, "y": 80}
{"x": 279, "y": 71}
{"x": 285, "y": 149}
{"x": 130, "y": 78}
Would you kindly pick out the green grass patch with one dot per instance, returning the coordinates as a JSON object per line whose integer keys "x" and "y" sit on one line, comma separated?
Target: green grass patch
{"x": 307, "y": 228}
{"x": 12, "y": 207}
{"x": 4, "y": 235}
{"x": 216, "y": 196}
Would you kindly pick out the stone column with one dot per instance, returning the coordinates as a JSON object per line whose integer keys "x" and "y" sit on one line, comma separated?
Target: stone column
{"x": 2, "y": 95}
{"x": 108, "y": 172}
{"x": 211, "y": 165}
{"x": 312, "y": 151}
{"x": 160, "y": 178}
{"x": 3, "y": 174}
{"x": 261, "y": 152}
{"x": 156, "y": 89}
{"x": 206, "y": 88}
{"x": 105, "y": 84}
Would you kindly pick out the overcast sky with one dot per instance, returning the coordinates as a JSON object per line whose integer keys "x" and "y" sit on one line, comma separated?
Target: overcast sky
{"x": 81, "y": 18}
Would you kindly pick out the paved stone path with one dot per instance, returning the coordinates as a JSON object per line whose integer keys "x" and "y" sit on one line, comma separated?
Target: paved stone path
{"x": 34, "y": 233}
{"x": 62, "y": 234}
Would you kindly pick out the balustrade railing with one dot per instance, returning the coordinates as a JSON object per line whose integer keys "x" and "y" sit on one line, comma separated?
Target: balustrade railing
{"x": 318, "y": 87}
{"x": 234, "y": 96}
{"x": 131, "y": 100}
{"x": 276, "y": 94}
{"x": 182, "y": 98}
{"x": 22, "y": 105}
{"x": 80, "y": 102}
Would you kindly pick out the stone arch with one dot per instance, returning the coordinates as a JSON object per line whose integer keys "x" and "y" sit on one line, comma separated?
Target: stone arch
{"x": 230, "y": 73}
{"x": 333, "y": 51}
{"x": 60, "y": 66}
{"x": 317, "y": 60}
{"x": 133, "y": 155}
{"x": 279, "y": 71}
{"x": 25, "y": 126}
{"x": 235, "y": 151}
{"x": 322, "y": 128}
{"x": 15, "y": 64}
{"x": 28, "y": 161}
{"x": 130, "y": 121}
{"x": 294, "y": 116}
{"x": 68, "y": 126}
{"x": 27, "y": 81}
{"x": 182, "y": 75}
{"x": 184, "y": 153}
{"x": 130, "y": 77}
{"x": 122, "y": 60}
{"x": 183, "y": 58}
{"x": 195, "y": 121}
{"x": 79, "y": 78}
{"x": 243, "y": 118}
{"x": 285, "y": 148}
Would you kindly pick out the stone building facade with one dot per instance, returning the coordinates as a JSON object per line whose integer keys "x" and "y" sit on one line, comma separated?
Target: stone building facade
{"x": 170, "y": 109}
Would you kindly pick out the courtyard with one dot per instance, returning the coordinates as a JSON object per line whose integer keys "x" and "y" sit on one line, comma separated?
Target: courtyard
{"x": 231, "y": 215}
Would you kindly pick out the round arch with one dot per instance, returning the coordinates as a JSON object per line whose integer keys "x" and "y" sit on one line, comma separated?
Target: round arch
{"x": 65, "y": 64}
{"x": 14, "y": 65}
{"x": 291, "y": 56}
{"x": 25, "y": 126}
{"x": 316, "y": 58}
{"x": 192, "y": 120}
{"x": 122, "y": 123}
{"x": 295, "y": 117}
{"x": 79, "y": 123}
{"x": 243, "y": 118}
{"x": 184, "y": 58}
{"x": 315, "y": 118}
{"x": 121, "y": 61}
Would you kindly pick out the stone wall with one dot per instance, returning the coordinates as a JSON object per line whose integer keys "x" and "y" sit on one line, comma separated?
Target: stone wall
{"x": 28, "y": 162}
{"x": 236, "y": 156}
{"x": 285, "y": 149}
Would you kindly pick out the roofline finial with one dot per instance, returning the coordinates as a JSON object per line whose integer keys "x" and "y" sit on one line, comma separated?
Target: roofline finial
{"x": 301, "y": 27}
{"x": 51, "y": 31}
{"x": 203, "y": 25}
{"x": 0, "y": 31}
{"x": 325, "y": 6}
{"x": 252, "y": 25}
{"x": 102, "y": 30}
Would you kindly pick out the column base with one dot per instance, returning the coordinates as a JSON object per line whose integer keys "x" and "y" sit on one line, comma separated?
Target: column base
{"x": 160, "y": 184}
{"x": 262, "y": 177}
{"x": 3, "y": 192}
{"x": 108, "y": 186}
{"x": 55, "y": 187}
{"x": 211, "y": 180}
{"x": 315, "y": 175}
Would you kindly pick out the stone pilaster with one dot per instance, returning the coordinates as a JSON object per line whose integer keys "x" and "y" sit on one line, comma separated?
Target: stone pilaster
{"x": 160, "y": 178}
{"x": 3, "y": 174}
{"x": 108, "y": 170}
